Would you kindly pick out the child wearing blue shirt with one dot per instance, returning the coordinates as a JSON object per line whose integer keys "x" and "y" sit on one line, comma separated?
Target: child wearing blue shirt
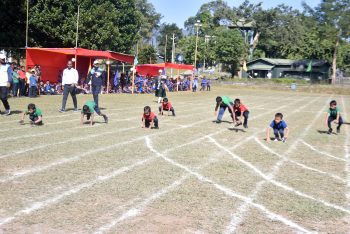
{"x": 278, "y": 125}
{"x": 32, "y": 84}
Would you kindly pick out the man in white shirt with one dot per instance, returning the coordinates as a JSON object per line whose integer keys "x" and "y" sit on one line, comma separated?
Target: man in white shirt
{"x": 69, "y": 81}
{"x": 5, "y": 80}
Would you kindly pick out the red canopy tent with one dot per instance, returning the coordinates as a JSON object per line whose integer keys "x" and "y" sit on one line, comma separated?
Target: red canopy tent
{"x": 53, "y": 60}
{"x": 152, "y": 69}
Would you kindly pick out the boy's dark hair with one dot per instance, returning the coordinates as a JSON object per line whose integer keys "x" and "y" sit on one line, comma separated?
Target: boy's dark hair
{"x": 237, "y": 101}
{"x": 279, "y": 115}
{"x": 218, "y": 99}
{"x": 31, "y": 106}
{"x": 147, "y": 109}
{"x": 165, "y": 99}
{"x": 86, "y": 109}
{"x": 333, "y": 102}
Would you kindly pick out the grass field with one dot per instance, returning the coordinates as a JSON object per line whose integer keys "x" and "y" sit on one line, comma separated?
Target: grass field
{"x": 190, "y": 176}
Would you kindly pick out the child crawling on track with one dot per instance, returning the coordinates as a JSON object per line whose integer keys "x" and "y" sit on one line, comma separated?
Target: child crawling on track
{"x": 149, "y": 119}
{"x": 240, "y": 111}
{"x": 278, "y": 125}
{"x": 223, "y": 102}
{"x": 35, "y": 115}
{"x": 166, "y": 106}
{"x": 333, "y": 116}
{"x": 89, "y": 109}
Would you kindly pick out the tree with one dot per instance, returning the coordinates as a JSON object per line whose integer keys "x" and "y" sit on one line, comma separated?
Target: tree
{"x": 150, "y": 19}
{"x": 229, "y": 48}
{"x": 12, "y": 26}
{"x": 164, "y": 39}
{"x": 103, "y": 24}
{"x": 333, "y": 16}
{"x": 147, "y": 55}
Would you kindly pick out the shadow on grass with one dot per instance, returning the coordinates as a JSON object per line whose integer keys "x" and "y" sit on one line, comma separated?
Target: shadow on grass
{"x": 223, "y": 121}
{"x": 16, "y": 112}
{"x": 237, "y": 129}
{"x": 325, "y": 132}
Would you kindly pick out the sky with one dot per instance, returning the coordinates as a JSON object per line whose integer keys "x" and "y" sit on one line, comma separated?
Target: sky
{"x": 178, "y": 11}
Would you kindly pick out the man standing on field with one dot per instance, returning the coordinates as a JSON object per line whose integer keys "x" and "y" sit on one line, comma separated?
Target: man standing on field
{"x": 5, "y": 82}
{"x": 69, "y": 81}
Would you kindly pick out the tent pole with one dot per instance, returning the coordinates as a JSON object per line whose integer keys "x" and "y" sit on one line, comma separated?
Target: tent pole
{"x": 133, "y": 80}
{"x": 109, "y": 64}
{"x": 177, "y": 80}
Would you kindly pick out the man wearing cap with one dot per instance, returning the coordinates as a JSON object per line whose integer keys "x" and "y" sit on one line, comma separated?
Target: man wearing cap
{"x": 5, "y": 81}
{"x": 97, "y": 77}
{"x": 70, "y": 79}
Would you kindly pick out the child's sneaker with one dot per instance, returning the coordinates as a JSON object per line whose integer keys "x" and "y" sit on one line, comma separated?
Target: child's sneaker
{"x": 218, "y": 121}
{"x": 245, "y": 125}
{"x": 330, "y": 131}
{"x": 284, "y": 140}
{"x": 338, "y": 130}
{"x": 7, "y": 112}
{"x": 106, "y": 119}
{"x": 276, "y": 139}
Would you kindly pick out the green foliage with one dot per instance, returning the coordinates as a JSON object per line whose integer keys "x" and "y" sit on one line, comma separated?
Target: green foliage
{"x": 103, "y": 24}
{"x": 147, "y": 55}
{"x": 229, "y": 47}
{"x": 149, "y": 17}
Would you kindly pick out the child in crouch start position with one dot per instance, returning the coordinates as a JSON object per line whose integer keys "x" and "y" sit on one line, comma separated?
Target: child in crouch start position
{"x": 149, "y": 119}
{"x": 278, "y": 125}
{"x": 241, "y": 111}
{"x": 34, "y": 113}
{"x": 333, "y": 116}
{"x": 223, "y": 102}
{"x": 89, "y": 109}
{"x": 166, "y": 106}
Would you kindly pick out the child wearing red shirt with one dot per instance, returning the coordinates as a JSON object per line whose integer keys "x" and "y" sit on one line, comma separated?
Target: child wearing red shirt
{"x": 166, "y": 106}
{"x": 241, "y": 110}
{"x": 149, "y": 119}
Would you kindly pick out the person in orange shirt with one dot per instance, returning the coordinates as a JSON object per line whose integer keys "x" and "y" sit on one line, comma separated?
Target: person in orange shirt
{"x": 166, "y": 106}
{"x": 22, "y": 81}
{"x": 240, "y": 111}
{"x": 149, "y": 119}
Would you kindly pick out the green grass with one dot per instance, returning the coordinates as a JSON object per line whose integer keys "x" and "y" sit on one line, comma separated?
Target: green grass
{"x": 186, "y": 177}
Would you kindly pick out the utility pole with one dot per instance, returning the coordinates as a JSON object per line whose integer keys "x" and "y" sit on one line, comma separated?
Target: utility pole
{"x": 76, "y": 38}
{"x": 27, "y": 23}
{"x": 173, "y": 52}
{"x": 197, "y": 25}
{"x": 166, "y": 42}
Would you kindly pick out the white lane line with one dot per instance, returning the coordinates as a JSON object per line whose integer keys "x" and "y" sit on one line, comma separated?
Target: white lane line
{"x": 297, "y": 163}
{"x": 321, "y": 152}
{"x": 226, "y": 190}
{"x": 41, "y": 168}
{"x": 42, "y": 146}
{"x": 58, "y": 197}
{"x": 33, "y": 170}
{"x": 240, "y": 214}
{"x": 346, "y": 150}
{"x": 134, "y": 211}
{"x": 40, "y": 205}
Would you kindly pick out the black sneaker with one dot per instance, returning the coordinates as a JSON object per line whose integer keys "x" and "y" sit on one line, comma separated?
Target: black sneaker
{"x": 218, "y": 121}
{"x": 330, "y": 131}
{"x": 338, "y": 130}
{"x": 245, "y": 125}
{"x": 62, "y": 111}
{"x": 106, "y": 119}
